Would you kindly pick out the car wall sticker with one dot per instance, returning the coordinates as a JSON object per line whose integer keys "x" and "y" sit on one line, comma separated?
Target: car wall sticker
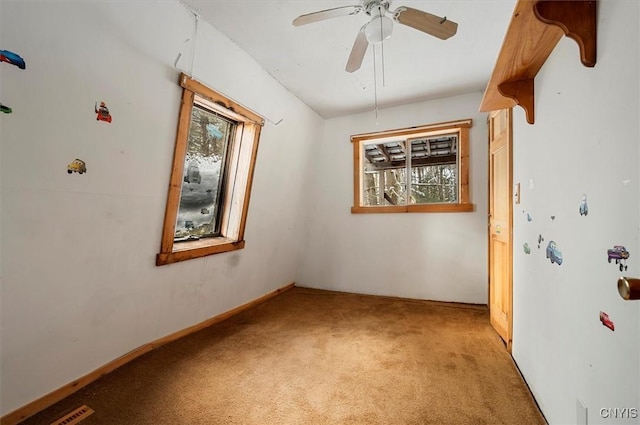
{"x": 77, "y": 166}
{"x": 526, "y": 248}
{"x": 620, "y": 254}
{"x": 553, "y": 253}
{"x": 5, "y": 109}
{"x": 606, "y": 321}
{"x": 102, "y": 112}
{"x": 12, "y": 58}
{"x": 584, "y": 208}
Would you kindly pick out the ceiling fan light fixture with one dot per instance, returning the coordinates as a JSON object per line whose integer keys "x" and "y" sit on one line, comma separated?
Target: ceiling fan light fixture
{"x": 378, "y": 29}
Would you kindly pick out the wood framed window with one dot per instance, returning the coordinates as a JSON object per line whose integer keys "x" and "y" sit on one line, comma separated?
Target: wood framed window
{"x": 213, "y": 163}
{"x": 417, "y": 169}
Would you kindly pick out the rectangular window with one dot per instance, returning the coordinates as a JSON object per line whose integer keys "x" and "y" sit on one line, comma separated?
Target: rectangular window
{"x": 435, "y": 157}
{"x": 205, "y": 174}
{"x": 214, "y": 158}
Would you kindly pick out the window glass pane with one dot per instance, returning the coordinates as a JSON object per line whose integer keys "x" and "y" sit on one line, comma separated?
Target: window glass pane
{"x": 384, "y": 173}
{"x": 203, "y": 182}
{"x": 434, "y": 184}
{"x": 434, "y": 169}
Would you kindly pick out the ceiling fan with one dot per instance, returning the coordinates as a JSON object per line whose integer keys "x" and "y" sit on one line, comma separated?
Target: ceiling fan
{"x": 381, "y": 25}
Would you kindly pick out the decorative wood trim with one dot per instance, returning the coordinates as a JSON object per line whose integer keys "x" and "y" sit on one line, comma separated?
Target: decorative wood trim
{"x": 188, "y": 252}
{"x": 433, "y": 208}
{"x": 55, "y": 396}
{"x": 247, "y": 193}
{"x": 441, "y": 208}
{"x": 190, "y": 84}
{"x": 430, "y": 128}
{"x": 463, "y": 184}
{"x": 378, "y": 209}
{"x": 357, "y": 184}
{"x": 536, "y": 27}
{"x": 175, "y": 182}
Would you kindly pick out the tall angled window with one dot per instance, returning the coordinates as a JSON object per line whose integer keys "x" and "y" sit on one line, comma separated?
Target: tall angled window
{"x": 214, "y": 158}
{"x": 205, "y": 174}
{"x": 418, "y": 169}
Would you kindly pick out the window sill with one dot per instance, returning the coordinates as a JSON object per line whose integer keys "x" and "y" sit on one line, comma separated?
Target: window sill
{"x": 189, "y": 250}
{"x": 430, "y": 208}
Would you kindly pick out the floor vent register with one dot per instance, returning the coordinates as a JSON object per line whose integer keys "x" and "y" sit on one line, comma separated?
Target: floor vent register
{"x": 74, "y": 417}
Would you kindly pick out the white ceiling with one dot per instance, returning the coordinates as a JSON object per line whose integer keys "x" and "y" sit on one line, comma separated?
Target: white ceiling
{"x": 310, "y": 60}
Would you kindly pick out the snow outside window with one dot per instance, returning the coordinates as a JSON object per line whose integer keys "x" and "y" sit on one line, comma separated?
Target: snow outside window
{"x": 209, "y": 190}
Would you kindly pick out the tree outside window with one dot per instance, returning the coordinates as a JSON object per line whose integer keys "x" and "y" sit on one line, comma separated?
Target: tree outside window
{"x": 435, "y": 157}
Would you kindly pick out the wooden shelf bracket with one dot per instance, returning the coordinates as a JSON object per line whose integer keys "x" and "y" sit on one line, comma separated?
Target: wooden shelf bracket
{"x": 521, "y": 91}
{"x": 577, "y": 19}
{"x": 536, "y": 27}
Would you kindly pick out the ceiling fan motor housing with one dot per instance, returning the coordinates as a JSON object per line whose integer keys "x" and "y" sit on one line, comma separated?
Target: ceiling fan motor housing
{"x": 379, "y": 29}
{"x": 376, "y": 7}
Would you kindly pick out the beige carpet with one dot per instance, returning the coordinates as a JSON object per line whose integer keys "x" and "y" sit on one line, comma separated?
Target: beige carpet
{"x": 318, "y": 357}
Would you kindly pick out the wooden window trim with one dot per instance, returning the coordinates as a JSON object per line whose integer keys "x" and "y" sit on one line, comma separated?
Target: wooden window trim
{"x": 236, "y": 204}
{"x": 464, "y": 204}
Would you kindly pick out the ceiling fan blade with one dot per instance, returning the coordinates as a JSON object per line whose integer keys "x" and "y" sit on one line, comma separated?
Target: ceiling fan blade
{"x": 326, "y": 14}
{"x": 426, "y": 22}
{"x": 358, "y": 51}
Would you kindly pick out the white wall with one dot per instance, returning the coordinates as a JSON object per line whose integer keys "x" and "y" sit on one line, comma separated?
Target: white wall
{"x": 585, "y": 140}
{"x": 79, "y": 284}
{"x": 1, "y": 197}
{"x": 437, "y": 256}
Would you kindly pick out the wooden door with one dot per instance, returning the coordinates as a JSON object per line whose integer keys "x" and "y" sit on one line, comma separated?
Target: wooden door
{"x": 500, "y": 223}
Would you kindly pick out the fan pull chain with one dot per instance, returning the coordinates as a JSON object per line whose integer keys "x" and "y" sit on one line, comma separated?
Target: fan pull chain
{"x": 375, "y": 82}
{"x": 382, "y": 48}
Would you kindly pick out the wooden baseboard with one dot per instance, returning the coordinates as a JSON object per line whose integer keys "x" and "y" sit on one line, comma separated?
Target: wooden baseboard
{"x": 53, "y": 397}
{"x": 452, "y": 304}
